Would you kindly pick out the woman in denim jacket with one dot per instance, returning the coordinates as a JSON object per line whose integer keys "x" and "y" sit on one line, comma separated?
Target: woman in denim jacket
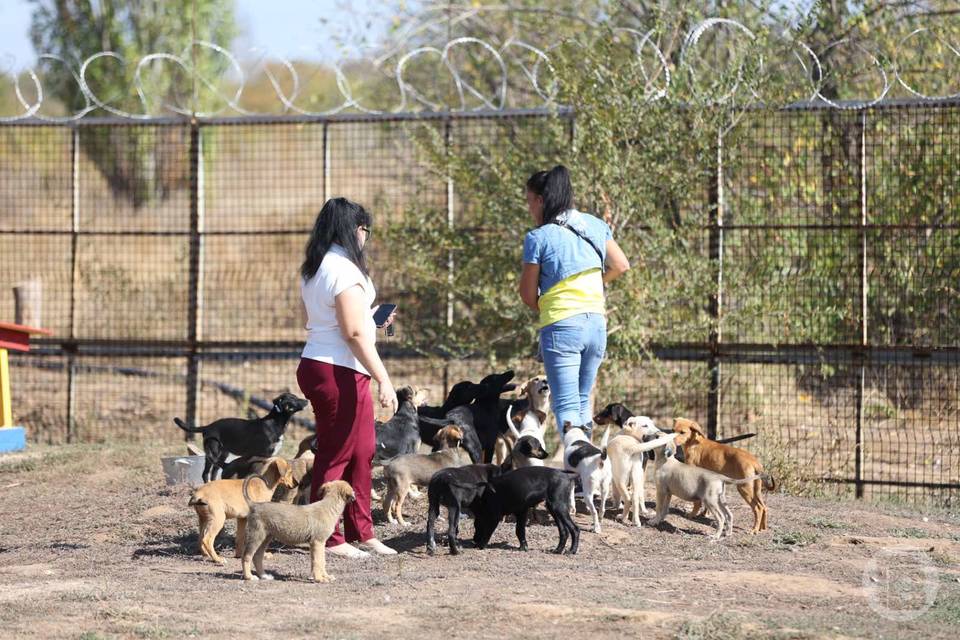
{"x": 567, "y": 260}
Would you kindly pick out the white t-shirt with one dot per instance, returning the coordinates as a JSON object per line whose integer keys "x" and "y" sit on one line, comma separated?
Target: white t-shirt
{"x": 336, "y": 274}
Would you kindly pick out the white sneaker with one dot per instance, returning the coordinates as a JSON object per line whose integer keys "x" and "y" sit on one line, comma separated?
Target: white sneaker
{"x": 347, "y": 550}
{"x": 378, "y": 547}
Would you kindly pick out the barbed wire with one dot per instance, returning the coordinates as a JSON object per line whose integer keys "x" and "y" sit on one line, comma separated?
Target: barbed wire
{"x": 469, "y": 95}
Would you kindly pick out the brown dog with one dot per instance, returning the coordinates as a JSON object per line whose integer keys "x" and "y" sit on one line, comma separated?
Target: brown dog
{"x": 219, "y": 500}
{"x": 700, "y": 451}
{"x": 417, "y": 468}
{"x": 291, "y": 524}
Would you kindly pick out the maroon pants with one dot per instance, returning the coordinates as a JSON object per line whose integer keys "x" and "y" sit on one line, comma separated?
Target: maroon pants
{"x": 346, "y": 440}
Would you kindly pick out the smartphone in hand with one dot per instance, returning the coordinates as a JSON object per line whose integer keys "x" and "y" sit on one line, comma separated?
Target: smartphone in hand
{"x": 382, "y": 314}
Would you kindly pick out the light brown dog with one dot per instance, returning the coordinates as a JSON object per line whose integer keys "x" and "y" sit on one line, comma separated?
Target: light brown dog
{"x": 700, "y": 451}
{"x": 417, "y": 468}
{"x": 219, "y": 500}
{"x": 301, "y": 469}
{"x": 292, "y": 524}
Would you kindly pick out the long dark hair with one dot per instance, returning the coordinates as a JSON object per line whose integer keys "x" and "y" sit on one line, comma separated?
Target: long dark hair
{"x": 337, "y": 222}
{"x": 556, "y": 190}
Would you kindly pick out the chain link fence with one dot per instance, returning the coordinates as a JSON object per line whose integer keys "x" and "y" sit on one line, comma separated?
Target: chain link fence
{"x": 168, "y": 251}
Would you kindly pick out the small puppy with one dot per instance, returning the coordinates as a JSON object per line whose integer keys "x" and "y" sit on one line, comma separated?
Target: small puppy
{"x": 400, "y": 434}
{"x": 417, "y": 468}
{"x": 219, "y": 500}
{"x": 301, "y": 469}
{"x": 455, "y": 488}
{"x": 529, "y": 448}
{"x": 292, "y": 524}
{"x": 700, "y": 451}
{"x": 519, "y": 491}
{"x": 687, "y": 482}
{"x": 589, "y": 462}
{"x": 259, "y": 437}
{"x": 628, "y": 452}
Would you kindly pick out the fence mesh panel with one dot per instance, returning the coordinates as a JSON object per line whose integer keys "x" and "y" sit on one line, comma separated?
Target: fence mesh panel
{"x": 168, "y": 256}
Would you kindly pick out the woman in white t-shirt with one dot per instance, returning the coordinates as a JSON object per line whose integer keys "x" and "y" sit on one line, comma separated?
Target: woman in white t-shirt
{"x": 338, "y": 360}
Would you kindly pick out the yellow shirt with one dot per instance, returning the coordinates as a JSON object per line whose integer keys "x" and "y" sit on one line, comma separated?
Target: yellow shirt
{"x": 580, "y": 293}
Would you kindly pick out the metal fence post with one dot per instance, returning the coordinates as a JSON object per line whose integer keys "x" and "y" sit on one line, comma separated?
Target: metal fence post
{"x": 195, "y": 301}
{"x": 74, "y": 275}
{"x": 861, "y": 390}
{"x": 715, "y": 202}
{"x": 447, "y": 135}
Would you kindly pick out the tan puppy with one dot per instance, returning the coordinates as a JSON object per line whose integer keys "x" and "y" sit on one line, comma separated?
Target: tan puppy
{"x": 417, "y": 468}
{"x": 537, "y": 392}
{"x": 291, "y": 524}
{"x": 219, "y": 500}
{"x": 688, "y": 482}
{"x": 700, "y": 451}
{"x": 301, "y": 469}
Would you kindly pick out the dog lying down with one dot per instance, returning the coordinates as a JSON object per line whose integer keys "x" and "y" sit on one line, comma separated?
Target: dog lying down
{"x": 687, "y": 482}
{"x": 291, "y": 524}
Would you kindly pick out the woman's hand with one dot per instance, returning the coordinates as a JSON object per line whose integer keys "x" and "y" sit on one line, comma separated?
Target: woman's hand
{"x": 388, "y": 396}
{"x": 390, "y": 318}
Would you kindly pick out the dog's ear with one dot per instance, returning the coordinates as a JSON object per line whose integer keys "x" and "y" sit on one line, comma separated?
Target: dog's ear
{"x": 541, "y": 416}
{"x": 517, "y": 417}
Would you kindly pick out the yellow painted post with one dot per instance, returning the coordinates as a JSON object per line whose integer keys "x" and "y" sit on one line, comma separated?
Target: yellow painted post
{"x": 6, "y": 415}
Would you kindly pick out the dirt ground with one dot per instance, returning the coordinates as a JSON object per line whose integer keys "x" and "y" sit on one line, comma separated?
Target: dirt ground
{"x": 94, "y": 545}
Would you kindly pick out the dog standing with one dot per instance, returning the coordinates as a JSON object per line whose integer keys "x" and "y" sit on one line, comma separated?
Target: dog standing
{"x": 259, "y": 437}
{"x": 688, "y": 482}
{"x": 455, "y": 488}
{"x": 219, "y": 500}
{"x": 734, "y": 462}
{"x": 400, "y": 434}
{"x": 292, "y": 524}
{"x": 519, "y": 491}
{"x": 589, "y": 462}
{"x": 417, "y": 468}
{"x": 628, "y": 453}
{"x": 535, "y": 394}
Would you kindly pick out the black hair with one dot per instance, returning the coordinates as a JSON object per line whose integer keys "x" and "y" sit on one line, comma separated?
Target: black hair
{"x": 337, "y": 222}
{"x": 556, "y": 190}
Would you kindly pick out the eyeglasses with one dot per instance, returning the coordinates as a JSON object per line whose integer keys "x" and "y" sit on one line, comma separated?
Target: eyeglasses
{"x": 366, "y": 230}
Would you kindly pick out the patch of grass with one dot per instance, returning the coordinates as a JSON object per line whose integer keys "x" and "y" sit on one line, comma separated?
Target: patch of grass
{"x": 824, "y": 523}
{"x": 943, "y": 559}
{"x": 946, "y": 609}
{"x": 722, "y": 626}
{"x": 795, "y": 539}
{"x": 911, "y": 532}
{"x": 153, "y": 632}
{"x": 90, "y": 635}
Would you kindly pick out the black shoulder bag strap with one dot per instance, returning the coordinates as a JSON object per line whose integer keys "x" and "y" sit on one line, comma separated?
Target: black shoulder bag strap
{"x": 603, "y": 266}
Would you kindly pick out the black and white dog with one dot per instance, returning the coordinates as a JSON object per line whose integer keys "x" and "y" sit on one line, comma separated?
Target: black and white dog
{"x": 244, "y": 438}
{"x": 590, "y": 463}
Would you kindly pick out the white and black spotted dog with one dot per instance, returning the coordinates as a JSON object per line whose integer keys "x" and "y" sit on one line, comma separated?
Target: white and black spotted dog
{"x": 529, "y": 447}
{"x": 590, "y": 463}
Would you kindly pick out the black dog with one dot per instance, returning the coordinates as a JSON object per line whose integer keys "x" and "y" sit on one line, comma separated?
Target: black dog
{"x": 455, "y": 488}
{"x": 461, "y": 394}
{"x": 486, "y": 410}
{"x": 400, "y": 434}
{"x": 242, "y": 467}
{"x": 519, "y": 491}
{"x": 260, "y": 437}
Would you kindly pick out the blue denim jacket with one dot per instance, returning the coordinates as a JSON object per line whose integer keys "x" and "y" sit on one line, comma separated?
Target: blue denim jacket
{"x": 560, "y": 252}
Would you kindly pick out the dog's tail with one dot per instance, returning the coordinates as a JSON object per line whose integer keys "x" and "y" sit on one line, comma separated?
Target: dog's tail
{"x": 604, "y": 441}
{"x": 512, "y": 429}
{"x": 742, "y": 436}
{"x": 183, "y": 425}
{"x": 769, "y": 482}
{"x": 760, "y": 476}
{"x": 246, "y": 481}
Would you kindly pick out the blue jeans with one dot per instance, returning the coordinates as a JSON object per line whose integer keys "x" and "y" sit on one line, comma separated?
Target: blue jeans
{"x": 572, "y": 351}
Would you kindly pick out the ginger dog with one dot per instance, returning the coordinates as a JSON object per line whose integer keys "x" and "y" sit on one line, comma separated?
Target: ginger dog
{"x": 292, "y": 524}
{"x": 700, "y": 451}
{"x": 219, "y": 500}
